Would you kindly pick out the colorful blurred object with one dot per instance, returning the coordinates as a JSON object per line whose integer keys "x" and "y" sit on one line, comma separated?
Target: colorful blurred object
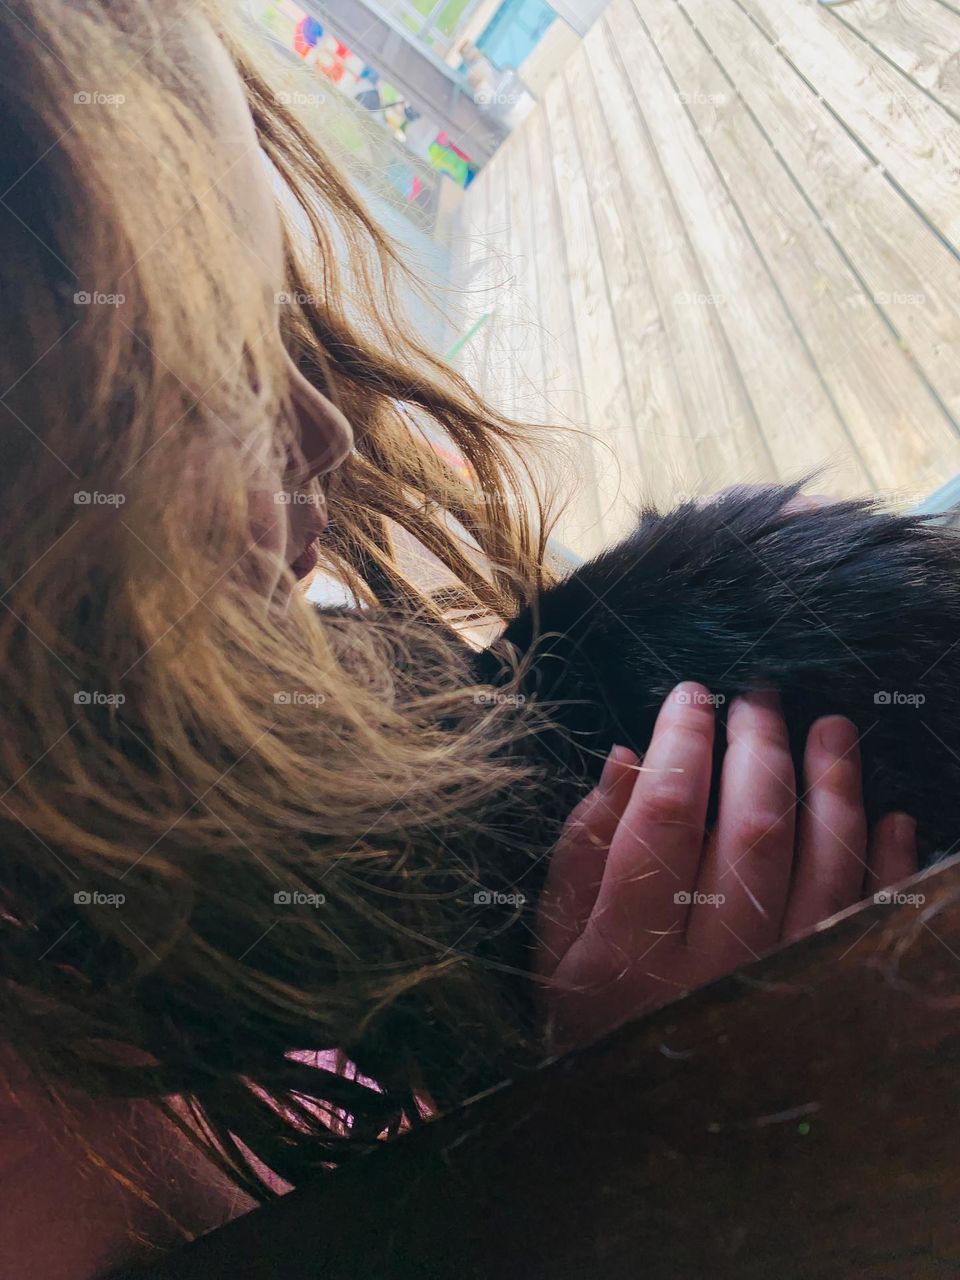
{"x": 321, "y": 50}
{"x": 308, "y": 31}
{"x": 448, "y": 159}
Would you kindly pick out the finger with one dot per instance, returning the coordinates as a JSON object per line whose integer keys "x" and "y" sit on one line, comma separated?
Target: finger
{"x": 655, "y": 853}
{"x": 832, "y": 842}
{"x": 742, "y": 891}
{"x": 891, "y": 852}
{"x": 576, "y": 865}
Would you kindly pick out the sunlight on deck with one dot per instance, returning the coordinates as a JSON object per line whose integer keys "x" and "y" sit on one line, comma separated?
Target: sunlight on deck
{"x": 725, "y": 243}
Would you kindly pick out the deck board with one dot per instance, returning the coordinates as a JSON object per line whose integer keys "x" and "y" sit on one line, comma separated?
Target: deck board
{"x": 744, "y": 216}
{"x": 919, "y": 37}
{"x": 528, "y": 345}
{"x": 478, "y": 289}
{"x": 716, "y": 410}
{"x": 565, "y": 396}
{"x": 652, "y": 393}
{"x": 911, "y": 279}
{"x": 751, "y": 313}
{"x": 601, "y": 362}
{"x": 910, "y": 135}
{"x": 865, "y": 433}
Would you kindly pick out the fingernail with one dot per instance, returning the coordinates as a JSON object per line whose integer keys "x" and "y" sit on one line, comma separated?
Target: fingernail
{"x": 838, "y": 735}
{"x": 690, "y": 694}
{"x": 618, "y": 755}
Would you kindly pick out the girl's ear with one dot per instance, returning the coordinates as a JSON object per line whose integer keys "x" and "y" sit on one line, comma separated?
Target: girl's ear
{"x": 325, "y": 435}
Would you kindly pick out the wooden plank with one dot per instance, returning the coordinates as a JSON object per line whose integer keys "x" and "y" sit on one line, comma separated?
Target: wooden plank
{"x": 503, "y": 376}
{"x": 914, "y": 138}
{"x": 475, "y": 282}
{"x": 583, "y": 527}
{"x": 798, "y": 1119}
{"x": 487, "y": 249}
{"x": 921, "y": 37}
{"x": 871, "y": 294}
{"x": 668, "y": 466}
{"x": 799, "y": 426}
{"x": 912, "y": 277}
{"x": 512, "y": 163}
{"x": 873, "y": 385}
{"x": 532, "y": 402}
{"x": 717, "y": 414}
{"x": 618, "y": 465}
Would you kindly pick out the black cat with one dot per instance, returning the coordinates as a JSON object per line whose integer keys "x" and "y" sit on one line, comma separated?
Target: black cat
{"x": 845, "y": 609}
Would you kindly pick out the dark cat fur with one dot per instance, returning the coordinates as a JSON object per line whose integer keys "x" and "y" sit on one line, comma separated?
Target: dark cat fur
{"x": 845, "y": 610}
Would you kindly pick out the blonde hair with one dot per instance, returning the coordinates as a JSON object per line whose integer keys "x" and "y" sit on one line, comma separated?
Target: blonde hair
{"x": 170, "y": 735}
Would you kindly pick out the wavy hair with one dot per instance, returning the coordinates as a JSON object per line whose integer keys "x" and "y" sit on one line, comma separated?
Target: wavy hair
{"x": 235, "y": 832}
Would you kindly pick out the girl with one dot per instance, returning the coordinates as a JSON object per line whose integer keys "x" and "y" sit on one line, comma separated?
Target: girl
{"x": 239, "y": 836}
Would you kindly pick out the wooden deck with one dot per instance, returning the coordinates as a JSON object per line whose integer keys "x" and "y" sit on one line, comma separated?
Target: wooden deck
{"x": 726, "y": 244}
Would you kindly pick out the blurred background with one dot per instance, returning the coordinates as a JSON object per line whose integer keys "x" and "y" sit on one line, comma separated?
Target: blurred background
{"x": 720, "y": 236}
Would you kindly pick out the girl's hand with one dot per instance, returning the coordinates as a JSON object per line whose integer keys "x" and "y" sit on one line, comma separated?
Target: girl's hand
{"x": 639, "y": 907}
